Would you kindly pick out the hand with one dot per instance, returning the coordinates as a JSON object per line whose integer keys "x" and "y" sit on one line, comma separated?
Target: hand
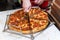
{"x": 26, "y": 5}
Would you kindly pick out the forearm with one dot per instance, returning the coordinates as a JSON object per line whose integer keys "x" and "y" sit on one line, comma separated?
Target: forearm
{"x": 26, "y": 1}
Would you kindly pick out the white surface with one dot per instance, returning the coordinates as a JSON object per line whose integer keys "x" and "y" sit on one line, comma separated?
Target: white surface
{"x": 51, "y": 33}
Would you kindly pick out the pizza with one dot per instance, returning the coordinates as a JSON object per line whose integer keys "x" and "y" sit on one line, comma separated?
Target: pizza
{"x": 38, "y": 20}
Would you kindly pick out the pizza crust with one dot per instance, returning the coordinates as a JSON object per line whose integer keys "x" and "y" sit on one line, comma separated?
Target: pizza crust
{"x": 38, "y": 21}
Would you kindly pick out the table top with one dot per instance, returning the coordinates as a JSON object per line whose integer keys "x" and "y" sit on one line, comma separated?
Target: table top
{"x": 51, "y": 33}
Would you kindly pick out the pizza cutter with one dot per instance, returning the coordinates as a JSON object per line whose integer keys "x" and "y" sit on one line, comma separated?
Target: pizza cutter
{"x": 28, "y": 18}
